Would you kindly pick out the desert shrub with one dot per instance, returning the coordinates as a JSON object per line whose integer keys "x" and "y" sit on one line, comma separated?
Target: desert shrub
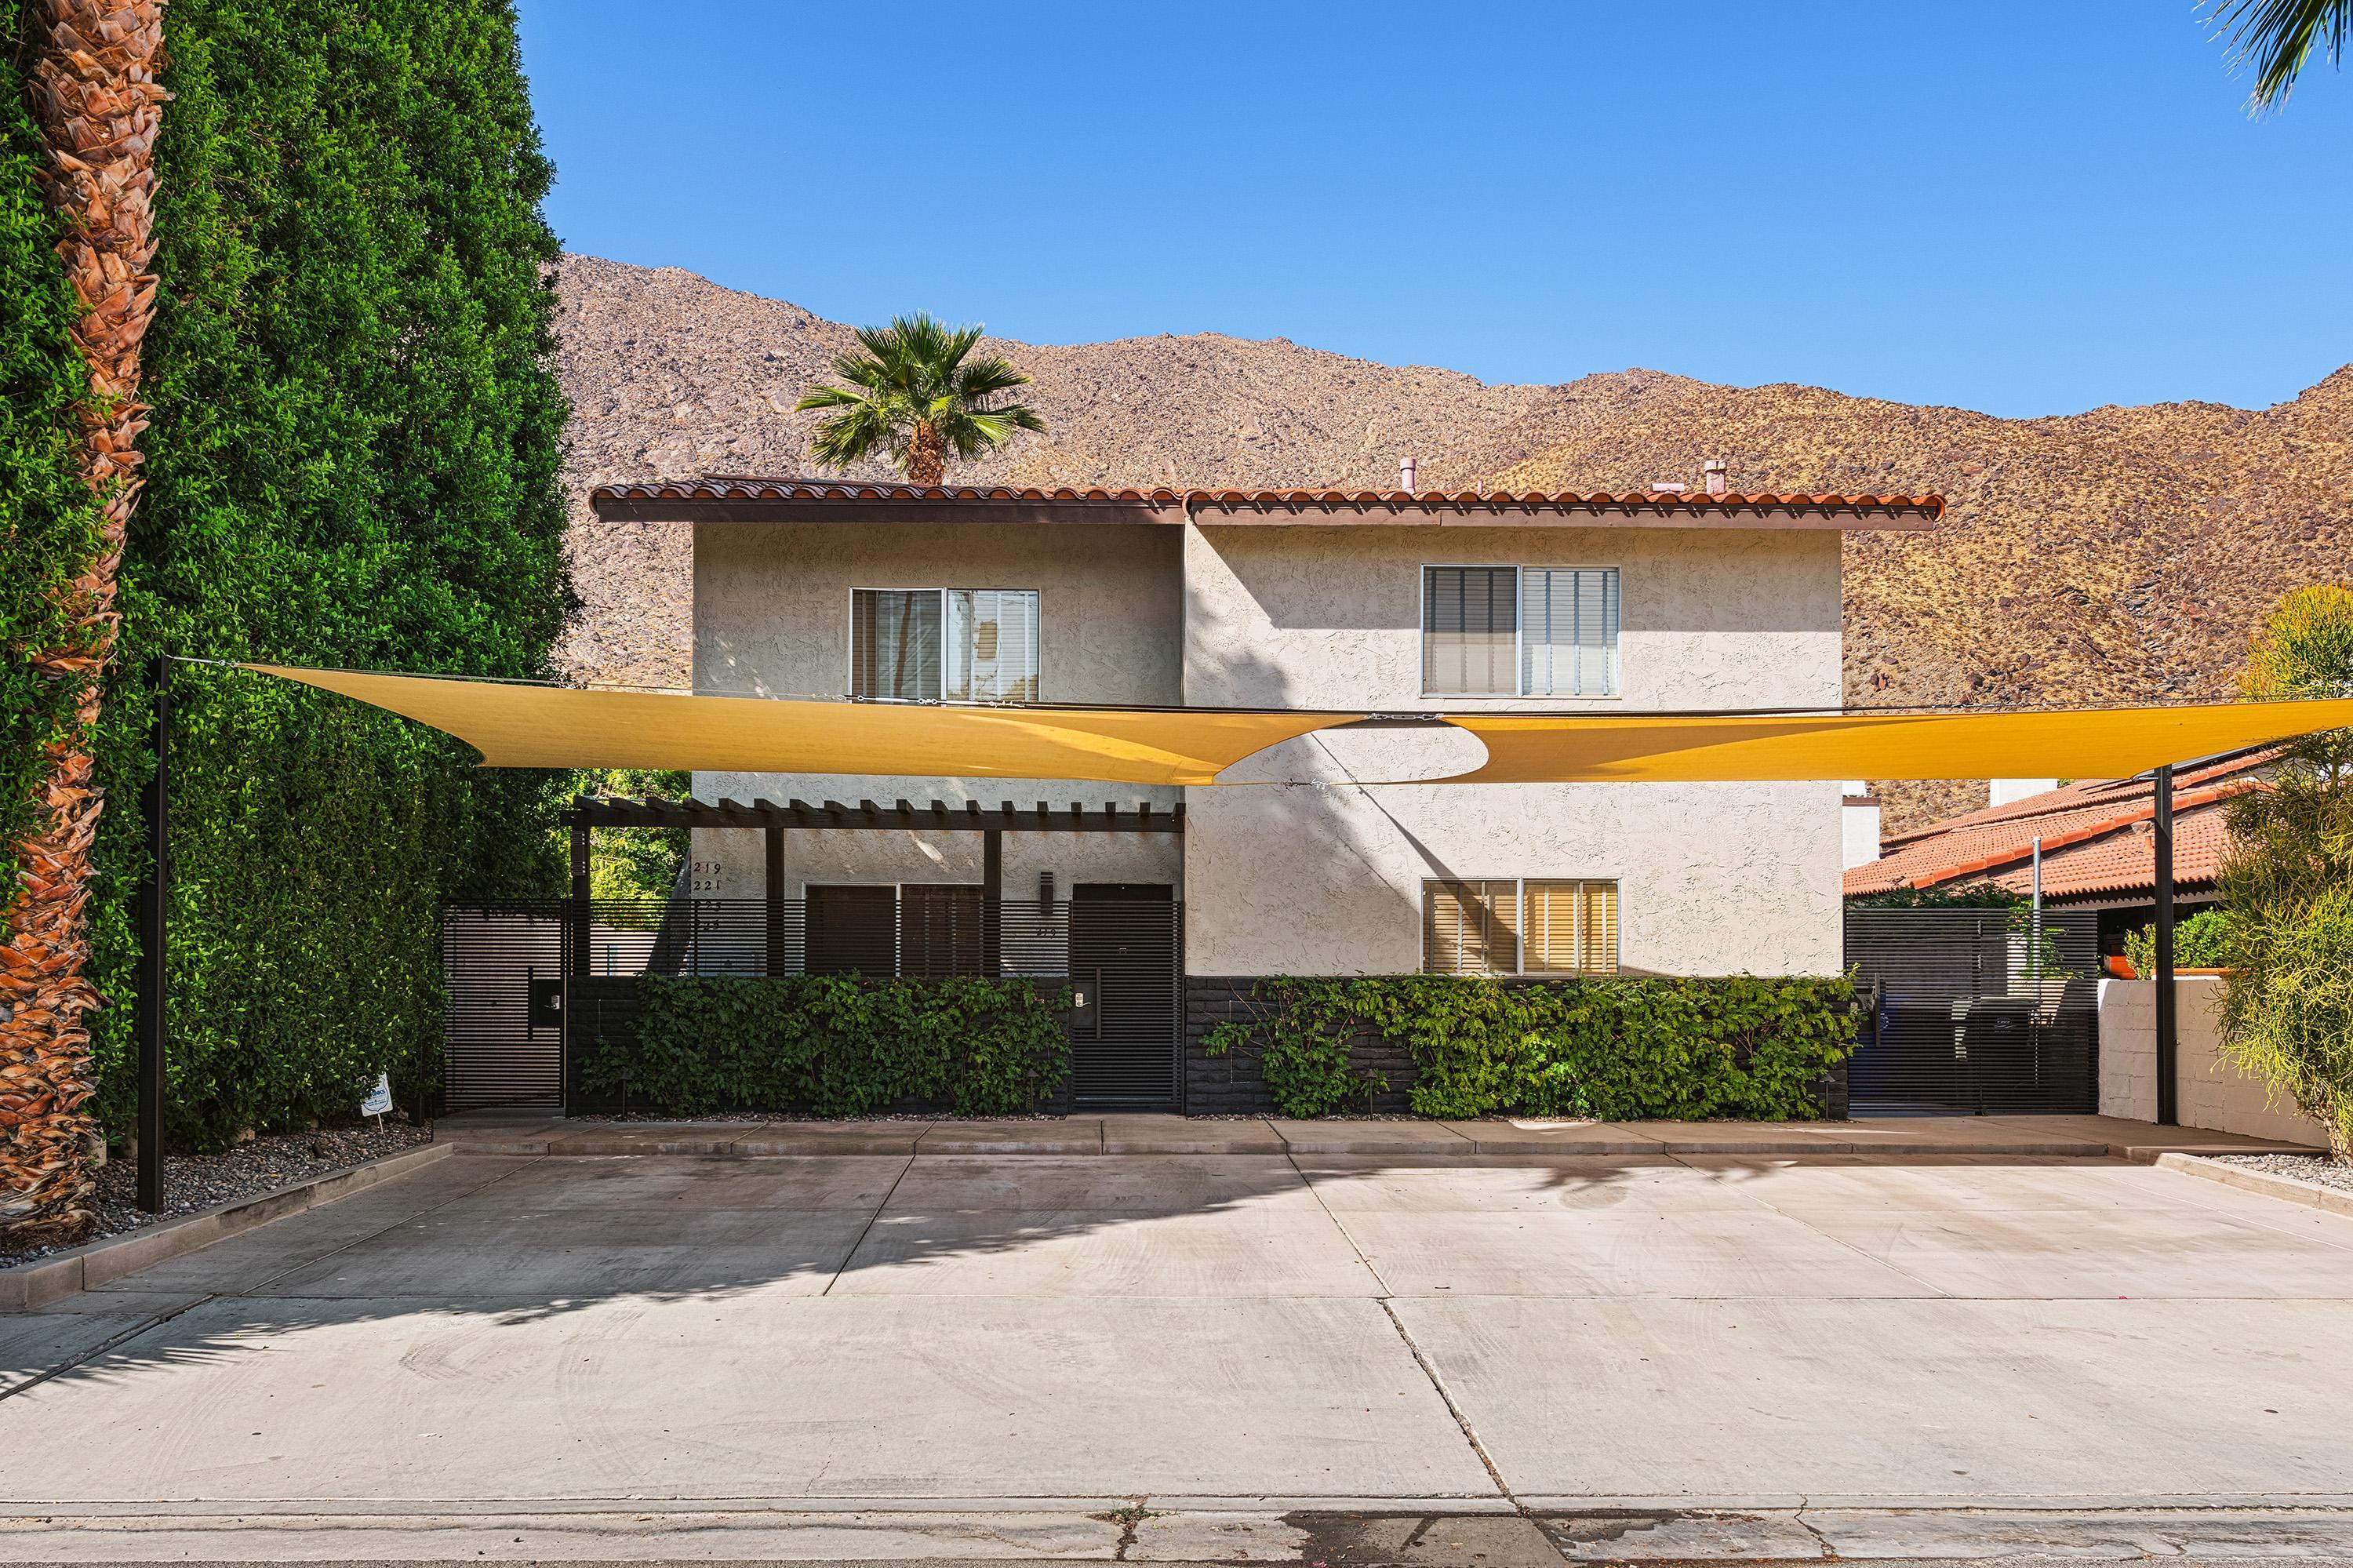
{"x": 2198, "y": 943}
{"x": 2287, "y": 878}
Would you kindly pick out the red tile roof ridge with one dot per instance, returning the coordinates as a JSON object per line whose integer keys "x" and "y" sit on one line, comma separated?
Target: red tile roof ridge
{"x": 783, "y": 487}
{"x": 1915, "y": 866}
{"x": 2080, "y": 793}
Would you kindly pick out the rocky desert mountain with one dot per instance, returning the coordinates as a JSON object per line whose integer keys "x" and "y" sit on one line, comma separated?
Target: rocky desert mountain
{"x": 2123, "y": 554}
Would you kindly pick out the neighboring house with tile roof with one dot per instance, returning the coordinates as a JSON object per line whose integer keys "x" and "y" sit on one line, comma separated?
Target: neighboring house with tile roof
{"x": 2098, "y": 848}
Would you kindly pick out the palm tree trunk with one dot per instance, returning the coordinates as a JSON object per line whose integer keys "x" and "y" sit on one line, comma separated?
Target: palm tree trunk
{"x": 99, "y": 107}
{"x": 927, "y": 455}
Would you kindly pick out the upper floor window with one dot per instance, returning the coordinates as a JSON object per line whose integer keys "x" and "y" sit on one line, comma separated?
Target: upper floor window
{"x": 1535, "y": 632}
{"x": 929, "y": 645}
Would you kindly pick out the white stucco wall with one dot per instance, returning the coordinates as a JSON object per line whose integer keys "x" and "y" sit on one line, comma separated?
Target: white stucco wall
{"x": 1325, "y": 877}
{"x": 1312, "y": 873}
{"x": 772, "y": 619}
{"x": 2212, "y": 1092}
{"x": 1859, "y": 830}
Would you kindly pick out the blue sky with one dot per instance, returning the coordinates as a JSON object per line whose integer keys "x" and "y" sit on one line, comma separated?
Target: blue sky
{"x": 2025, "y": 210}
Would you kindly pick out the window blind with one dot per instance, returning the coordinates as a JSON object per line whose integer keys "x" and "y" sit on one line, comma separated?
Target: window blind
{"x": 894, "y": 644}
{"x": 1470, "y": 630}
{"x": 940, "y": 931}
{"x": 1570, "y": 928}
{"x": 924, "y": 645}
{"x": 1468, "y": 928}
{"x": 1568, "y": 617}
{"x": 992, "y": 645}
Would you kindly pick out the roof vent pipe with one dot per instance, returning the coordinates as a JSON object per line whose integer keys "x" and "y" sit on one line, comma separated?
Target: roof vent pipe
{"x": 1714, "y": 469}
{"x": 1404, "y": 474}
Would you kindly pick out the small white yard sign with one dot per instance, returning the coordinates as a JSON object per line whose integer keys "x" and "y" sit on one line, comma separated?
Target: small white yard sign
{"x": 379, "y": 1100}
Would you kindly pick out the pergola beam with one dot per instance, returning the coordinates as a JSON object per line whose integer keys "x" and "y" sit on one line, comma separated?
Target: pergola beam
{"x": 619, "y": 811}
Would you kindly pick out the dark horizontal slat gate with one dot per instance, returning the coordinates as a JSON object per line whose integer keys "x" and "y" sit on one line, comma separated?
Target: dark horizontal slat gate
{"x": 1968, "y": 1011}
{"x": 502, "y": 1031}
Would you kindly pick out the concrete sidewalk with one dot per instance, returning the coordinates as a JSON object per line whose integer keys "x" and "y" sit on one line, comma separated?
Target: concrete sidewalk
{"x": 2074, "y": 1137}
{"x": 1280, "y": 1354}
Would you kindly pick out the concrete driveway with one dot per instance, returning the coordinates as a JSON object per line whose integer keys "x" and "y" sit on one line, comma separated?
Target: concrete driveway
{"x": 1543, "y": 1333}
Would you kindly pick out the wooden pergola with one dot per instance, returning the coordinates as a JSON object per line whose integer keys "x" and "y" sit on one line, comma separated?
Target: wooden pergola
{"x": 774, "y": 820}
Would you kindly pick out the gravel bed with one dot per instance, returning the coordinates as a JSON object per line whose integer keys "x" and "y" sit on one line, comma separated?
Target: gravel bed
{"x": 2318, "y": 1169}
{"x": 950, "y": 1116}
{"x": 796, "y": 1117}
{"x": 193, "y": 1182}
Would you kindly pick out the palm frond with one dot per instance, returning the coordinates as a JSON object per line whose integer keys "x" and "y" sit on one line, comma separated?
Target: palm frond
{"x": 861, "y": 369}
{"x": 983, "y": 378}
{"x": 2277, "y": 36}
{"x": 826, "y": 397}
{"x": 854, "y": 436}
{"x": 976, "y": 432}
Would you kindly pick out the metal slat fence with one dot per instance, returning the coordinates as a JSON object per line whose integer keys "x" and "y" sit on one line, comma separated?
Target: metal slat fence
{"x": 508, "y": 964}
{"x": 1975, "y": 1012}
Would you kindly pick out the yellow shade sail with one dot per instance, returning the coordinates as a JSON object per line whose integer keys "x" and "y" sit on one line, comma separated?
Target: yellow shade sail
{"x": 558, "y": 726}
{"x": 2077, "y": 743}
{"x": 565, "y": 726}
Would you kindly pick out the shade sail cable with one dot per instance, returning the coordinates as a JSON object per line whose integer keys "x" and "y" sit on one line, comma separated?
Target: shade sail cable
{"x": 516, "y": 725}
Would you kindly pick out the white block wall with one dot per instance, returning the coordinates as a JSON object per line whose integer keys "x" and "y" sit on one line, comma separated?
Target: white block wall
{"x": 2214, "y": 1094}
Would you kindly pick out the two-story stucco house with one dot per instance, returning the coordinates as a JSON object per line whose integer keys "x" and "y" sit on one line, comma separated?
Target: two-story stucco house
{"x": 1324, "y": 856}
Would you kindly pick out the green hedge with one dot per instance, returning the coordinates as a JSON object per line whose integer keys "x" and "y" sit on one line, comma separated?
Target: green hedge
{"x": 834, "y": 1045}
{"x": 1614, "y": 1049}
{"x": 354, "y": 461}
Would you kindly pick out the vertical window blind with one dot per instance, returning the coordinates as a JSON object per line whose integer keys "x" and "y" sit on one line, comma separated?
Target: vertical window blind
{"x": 1519, "y": 631}
{"x": 1571, "y": 928}
{"x": 992, "y": 645}
{"x": 894, "y": 644}
{"x": 926, "y": 645}
{"x": 1470, "y": 630}
{"x": 1470, "y": 928}
{"x": 1570, "y": 641}
{"x": 940, "y": 929}
{"x": 1500, "y": 926}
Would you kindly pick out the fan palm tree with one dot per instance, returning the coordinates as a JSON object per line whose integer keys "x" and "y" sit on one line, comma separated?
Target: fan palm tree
{"x": 916, "y": 396}
{"x": 95, "y": 93}
{"x": 2276, "y": 37}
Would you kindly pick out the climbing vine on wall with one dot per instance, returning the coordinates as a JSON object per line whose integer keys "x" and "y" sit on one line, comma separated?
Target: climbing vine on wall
{"x": 835, "y": 1045}
{"x": 1615, "y": 1049}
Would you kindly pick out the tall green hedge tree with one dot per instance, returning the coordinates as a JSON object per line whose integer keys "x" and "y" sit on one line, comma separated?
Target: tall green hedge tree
{"x": 353, "y": 460}
{"x": 2287, "y": 879}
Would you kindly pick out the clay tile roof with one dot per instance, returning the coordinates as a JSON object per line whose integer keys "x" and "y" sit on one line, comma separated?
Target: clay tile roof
{"x": 2095, "y": 837}
{"x": 723, "y": 497}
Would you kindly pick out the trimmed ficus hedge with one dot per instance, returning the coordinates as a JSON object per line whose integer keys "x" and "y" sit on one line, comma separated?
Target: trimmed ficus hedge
{"x": 834, "y": 1045}
{"x": 354, "y": 461}
{"x": 1615, "y": 1049}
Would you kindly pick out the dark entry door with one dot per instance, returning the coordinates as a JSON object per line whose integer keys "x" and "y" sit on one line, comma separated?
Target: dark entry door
{"x": 1124, "y": 970}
